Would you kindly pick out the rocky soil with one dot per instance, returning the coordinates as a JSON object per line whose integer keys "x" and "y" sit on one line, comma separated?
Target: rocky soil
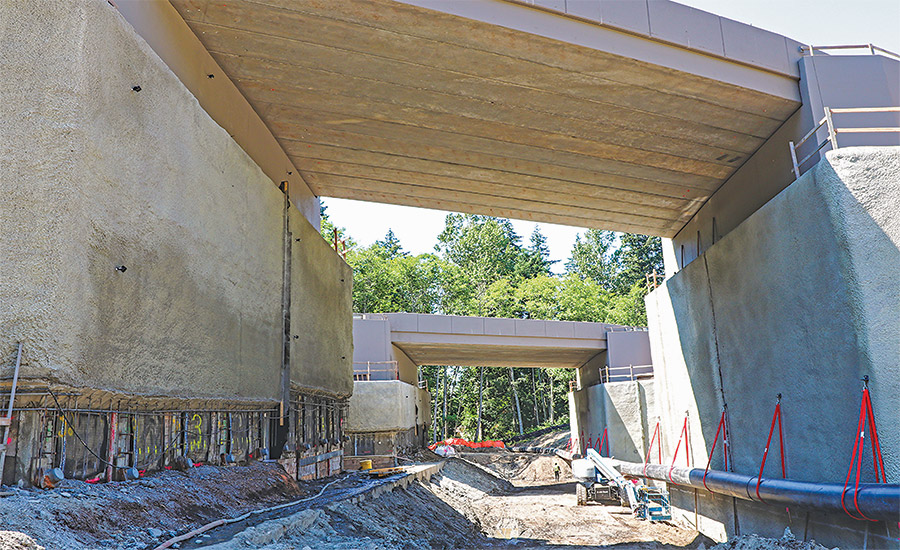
{"x": 480, "y": 500}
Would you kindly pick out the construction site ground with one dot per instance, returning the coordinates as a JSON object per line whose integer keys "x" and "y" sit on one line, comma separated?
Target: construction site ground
{"x": 495, "y": 499}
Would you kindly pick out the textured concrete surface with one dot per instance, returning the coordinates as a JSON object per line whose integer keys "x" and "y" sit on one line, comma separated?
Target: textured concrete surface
{"x": 823, "y": 81}
{"x": 501, "y": 109}
{"x": 387, "y": 405}
{"x": 800, "y": 299}
{"x": 624, "y": 408}
{"x": 164, "y": 30}
{"x": 321, "y": 313}
{"x": 96, "y": 175}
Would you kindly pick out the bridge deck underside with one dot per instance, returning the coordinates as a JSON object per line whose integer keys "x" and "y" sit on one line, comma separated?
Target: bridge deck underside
{"x": 498, "y": 355}
{"x": 387, "y": 102}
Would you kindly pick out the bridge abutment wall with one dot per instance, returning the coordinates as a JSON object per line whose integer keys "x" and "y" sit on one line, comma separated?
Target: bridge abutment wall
{"x": 142, "y": 249}
{"x": 800, "y": 299}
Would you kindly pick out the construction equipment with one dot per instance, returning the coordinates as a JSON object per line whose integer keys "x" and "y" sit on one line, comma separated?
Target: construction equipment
{"x": 597, "y": 480}
{"x": 6, "y": 421}
{"x": 384, "y": 472}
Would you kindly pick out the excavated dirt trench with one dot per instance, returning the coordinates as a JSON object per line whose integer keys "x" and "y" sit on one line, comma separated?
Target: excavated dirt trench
{"x": 478, "y": 500}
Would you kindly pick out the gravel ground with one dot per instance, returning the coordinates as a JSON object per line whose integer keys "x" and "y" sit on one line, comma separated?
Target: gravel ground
{"x": 139, "y": 514}
{"x": 753, "y": 542}
{"x": 466, "y": 505}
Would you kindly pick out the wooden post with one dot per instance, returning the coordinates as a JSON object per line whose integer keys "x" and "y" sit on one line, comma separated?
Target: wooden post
{"x": 111, "y": 452}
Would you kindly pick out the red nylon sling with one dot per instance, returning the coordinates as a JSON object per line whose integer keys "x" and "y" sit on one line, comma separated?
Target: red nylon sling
{"x": 722, "y": 428}
{"x": 687, "y": 447}
{"x": 865, "y": 413}
{"x": 650, "y": 448}
{"x": 601, "y": 442}
{"x": 775, "y": 416}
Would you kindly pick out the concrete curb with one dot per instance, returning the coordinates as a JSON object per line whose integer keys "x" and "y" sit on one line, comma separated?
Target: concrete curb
{"x": 423, "y": 474}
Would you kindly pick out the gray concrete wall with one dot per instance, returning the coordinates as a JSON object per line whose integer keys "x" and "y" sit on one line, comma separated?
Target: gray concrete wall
{"x": 624, "y": 408}
{"x": 823, "y": 83}
{"x": 372, "y": 340}
{"x": 628, "y": 348}
{"x": 800, "y": 299}
{"x": 95, "y": 175}
{"x": 321, "y": 313}
{"x": 407, "y": 370}
{"x": 386, "y": 405}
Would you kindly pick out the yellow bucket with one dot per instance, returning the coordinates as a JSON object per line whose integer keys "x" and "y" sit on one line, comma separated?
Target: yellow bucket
{"x": 365, "y": 464}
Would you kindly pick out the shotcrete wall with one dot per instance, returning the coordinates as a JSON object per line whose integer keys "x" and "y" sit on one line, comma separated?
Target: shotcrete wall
{"x": 321, "y": 313}
{"x": 800, "y": 299}
{"x": 387, "y": 405}
{"x": 97, "y": 173}
{"x": 624, "y": 409}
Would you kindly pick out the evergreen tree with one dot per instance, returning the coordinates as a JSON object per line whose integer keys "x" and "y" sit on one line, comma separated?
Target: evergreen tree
{"x": 592, "y": 257}
{"x": 637, "y": 256}
{"x": 391, "y": 245}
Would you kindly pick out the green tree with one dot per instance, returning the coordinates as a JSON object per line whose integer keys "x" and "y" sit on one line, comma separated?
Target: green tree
{"x": 534, "y": 260}
{"x": 391, "y": 245}
{"x": 327, "y": 229}
{"x": 486, "y": 249}
{"x": 592, "y": 257}
{"x": 637, "y": 256}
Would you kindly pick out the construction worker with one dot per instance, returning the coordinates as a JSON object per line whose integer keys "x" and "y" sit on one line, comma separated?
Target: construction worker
{"x": 556, "y": 470}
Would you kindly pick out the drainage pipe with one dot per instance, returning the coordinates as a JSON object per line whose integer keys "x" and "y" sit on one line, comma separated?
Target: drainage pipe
{"x": 876, "y": 500}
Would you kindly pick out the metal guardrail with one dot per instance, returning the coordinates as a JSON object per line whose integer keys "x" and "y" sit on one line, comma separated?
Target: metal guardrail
{"x": 619, "y": 374}
{"x": 374, "y": 316}
{"x": 833, "y": 132}
{"x": 626, "y": 374}
{"x": 872, "y": 49}
{"x": 365, "y": 375}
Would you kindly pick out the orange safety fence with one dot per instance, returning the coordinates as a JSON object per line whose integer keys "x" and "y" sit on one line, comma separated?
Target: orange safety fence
{"x": 456, "y": 441}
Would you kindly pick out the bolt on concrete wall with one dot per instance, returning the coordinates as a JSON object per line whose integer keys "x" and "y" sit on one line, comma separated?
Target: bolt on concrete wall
{"x": 800, "y": 299}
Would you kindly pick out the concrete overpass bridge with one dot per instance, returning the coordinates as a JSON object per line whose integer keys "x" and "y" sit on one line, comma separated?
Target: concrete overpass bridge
{"x": 390, "y": 408}
{"x": 163, "y": 137}
{"x": 646, "y": 116}
{"x": 492, "y": 342}
{"x": 616, "y": 115}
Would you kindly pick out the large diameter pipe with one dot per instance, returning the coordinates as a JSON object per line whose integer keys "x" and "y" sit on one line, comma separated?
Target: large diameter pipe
{"x": 876, "y": 500}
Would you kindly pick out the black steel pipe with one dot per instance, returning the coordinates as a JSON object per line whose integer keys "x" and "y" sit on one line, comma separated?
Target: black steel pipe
{"x": 877, "y": 501}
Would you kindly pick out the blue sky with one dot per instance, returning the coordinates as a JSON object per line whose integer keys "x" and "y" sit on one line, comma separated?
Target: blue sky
{"x": 819, "y": 22}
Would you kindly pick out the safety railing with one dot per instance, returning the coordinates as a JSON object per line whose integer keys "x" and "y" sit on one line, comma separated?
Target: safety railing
{"x": 834, "y": 131}
{"x": 871, "y": 48}
{"x": 370, "y": 316}
{"x": 626, "y": 374}
{"x": 364, "y": 371}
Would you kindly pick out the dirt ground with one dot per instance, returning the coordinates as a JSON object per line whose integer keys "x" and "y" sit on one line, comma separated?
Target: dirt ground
{"x": 556, "y": 439}
{"x": 480, "y": 500}
{"x": 130, "y": 515}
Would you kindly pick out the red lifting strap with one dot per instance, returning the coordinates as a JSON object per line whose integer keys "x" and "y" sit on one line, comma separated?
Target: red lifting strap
{"x": 687, "y": 447}
{"x": 722, "y": 428}
{"x": 865, "y": 412}
{"x": 650, "y": 448}
{"x": 775, "y": 416}
{"x": 601, "y": 442}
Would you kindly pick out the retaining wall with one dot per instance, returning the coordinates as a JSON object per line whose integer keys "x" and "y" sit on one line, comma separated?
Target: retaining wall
{"x": 800, "y": 299}
{"x": 96, "y": 175}
{"x": 624, "y": 409}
